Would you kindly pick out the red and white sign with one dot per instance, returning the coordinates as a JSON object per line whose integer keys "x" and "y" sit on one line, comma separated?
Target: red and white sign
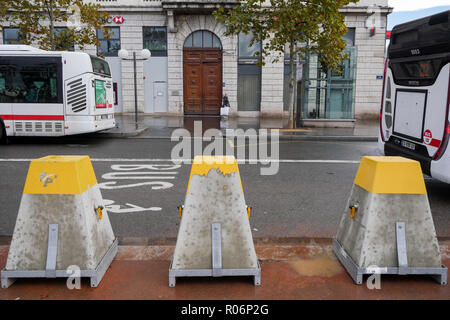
{"x": 119, "y": 19}
{"x": 428, "y": 139}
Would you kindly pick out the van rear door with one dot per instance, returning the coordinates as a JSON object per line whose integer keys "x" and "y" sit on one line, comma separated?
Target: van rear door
{"x": 410, "y": 113}
{"x": 420, "y": 91}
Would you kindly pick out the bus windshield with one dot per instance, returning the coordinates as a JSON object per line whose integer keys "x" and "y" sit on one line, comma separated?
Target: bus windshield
{"x": 418, "y": 72}
{"x": 100, "y": 66}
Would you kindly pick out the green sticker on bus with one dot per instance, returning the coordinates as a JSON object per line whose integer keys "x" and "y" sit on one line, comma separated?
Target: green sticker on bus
{"x": 100, "y": 94}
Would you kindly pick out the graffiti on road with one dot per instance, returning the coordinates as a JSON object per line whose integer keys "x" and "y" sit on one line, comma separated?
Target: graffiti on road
{"x": 153, "y": 173}
{"x": 129, "y": 208}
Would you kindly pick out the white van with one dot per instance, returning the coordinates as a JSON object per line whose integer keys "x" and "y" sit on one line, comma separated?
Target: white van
{"x": 414, "y": 116}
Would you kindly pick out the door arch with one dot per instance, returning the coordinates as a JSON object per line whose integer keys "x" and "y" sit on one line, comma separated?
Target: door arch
{"x": 202, "y": 73}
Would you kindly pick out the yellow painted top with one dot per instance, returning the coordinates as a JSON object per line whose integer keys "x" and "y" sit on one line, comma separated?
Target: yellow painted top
{"x": 390, "y": 175}
{"x": 224, "y": 164}
{"x": 60, "y": 175}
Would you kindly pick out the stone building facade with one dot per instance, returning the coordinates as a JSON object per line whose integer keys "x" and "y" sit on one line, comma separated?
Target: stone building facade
{"x": 182, "y": 72}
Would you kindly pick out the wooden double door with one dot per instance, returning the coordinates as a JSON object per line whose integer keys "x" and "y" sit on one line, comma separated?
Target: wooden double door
{"x": 202, "y": 81}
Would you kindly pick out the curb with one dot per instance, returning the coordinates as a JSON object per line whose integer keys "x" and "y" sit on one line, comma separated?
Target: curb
{"x": 282, "y": 136}
{"x": 266, "y": 250}
{"x": 290, "y": 251}
{"x": 330, "y": 138}
{"x": 116, "y": 135}
{"x": 286, "y": 138}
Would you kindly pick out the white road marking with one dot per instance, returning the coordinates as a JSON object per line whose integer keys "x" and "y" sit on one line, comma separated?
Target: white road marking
{"x": 141, "y": 175}
{"x": 156, "y": 185}
{"x": 156, "y": 172}
{"x": 115, "y": 208}
{"x": 132, "y": 167}
{"x": 128, "y": 172}
{"x": 188, "y": 161}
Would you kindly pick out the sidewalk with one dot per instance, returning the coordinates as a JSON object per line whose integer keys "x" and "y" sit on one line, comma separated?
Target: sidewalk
{"x": 303, "y": 269}
{"x": 161, "y": 127}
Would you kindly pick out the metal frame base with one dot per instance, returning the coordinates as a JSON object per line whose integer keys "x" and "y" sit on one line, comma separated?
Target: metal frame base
{"x": 174, "y": 273}
{"x": 9, "y": 276}
{"x": 216, "y": 271}
{"x": 357, "y": 273}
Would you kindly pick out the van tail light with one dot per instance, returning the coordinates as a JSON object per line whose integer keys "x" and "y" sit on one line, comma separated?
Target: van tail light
{"x": 444, "y": 144}
{"x": 382, "y": 102}
{"x": 438, "y": 155}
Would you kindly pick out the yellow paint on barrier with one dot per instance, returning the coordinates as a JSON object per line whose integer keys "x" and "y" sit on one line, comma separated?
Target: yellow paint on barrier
{"x": 223, "y": 164}
{"x": 60, "y": 175}
{"x": 390, "y": 175}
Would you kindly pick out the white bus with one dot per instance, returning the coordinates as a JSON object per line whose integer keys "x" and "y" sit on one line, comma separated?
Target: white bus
{"x": 45, "y": 93}
{"x": 414, "y": 115}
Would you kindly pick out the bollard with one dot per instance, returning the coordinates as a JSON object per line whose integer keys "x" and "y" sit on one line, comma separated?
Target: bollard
{"x": 214, "y": 238}
{"x": 387, "y": 227}
{"x": 61, "y": 222}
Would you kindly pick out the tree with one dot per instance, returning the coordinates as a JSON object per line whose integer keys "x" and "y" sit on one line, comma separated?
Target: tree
{"x": 288, "y": 23}
{"x": 38, "y": 20}
{"x": 4, "y": 8}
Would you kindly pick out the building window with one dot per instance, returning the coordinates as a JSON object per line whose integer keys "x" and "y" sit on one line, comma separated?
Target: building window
{"x": 327, "y": 94}
{"x": 249, "y": 74}
{"x": 249, "y": 87}
{"x": 247, "y": 51}
{"x": 109, "y": 47}
{"x": 155, "y": 40}
{"x": 11, "y": 36}
{"x": 349, "y": 37}
{"x": 64, "y": 42}
{"x": 202, "y": 39}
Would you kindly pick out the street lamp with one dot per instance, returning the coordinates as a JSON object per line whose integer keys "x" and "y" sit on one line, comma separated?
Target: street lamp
{"x": 145, "y": 54}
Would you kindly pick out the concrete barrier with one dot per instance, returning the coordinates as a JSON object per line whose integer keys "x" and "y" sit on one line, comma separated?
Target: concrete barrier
{"x": 387, "y": 226}
{"x": 214, "y": 238}
{"x": 61, "y": 223}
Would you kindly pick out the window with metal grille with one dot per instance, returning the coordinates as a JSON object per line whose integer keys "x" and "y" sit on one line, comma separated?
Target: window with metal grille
{"x": 249, "y": 73}
{"x": 202, "y": 39}
{"x": 155, "y": 40}
{"x": 11, "y": 36}
{"x": 62, "y": 35}
{"x": 109, "y": 46}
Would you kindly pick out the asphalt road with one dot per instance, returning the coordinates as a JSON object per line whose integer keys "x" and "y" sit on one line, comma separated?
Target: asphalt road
{"x": 142, "y": 187}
